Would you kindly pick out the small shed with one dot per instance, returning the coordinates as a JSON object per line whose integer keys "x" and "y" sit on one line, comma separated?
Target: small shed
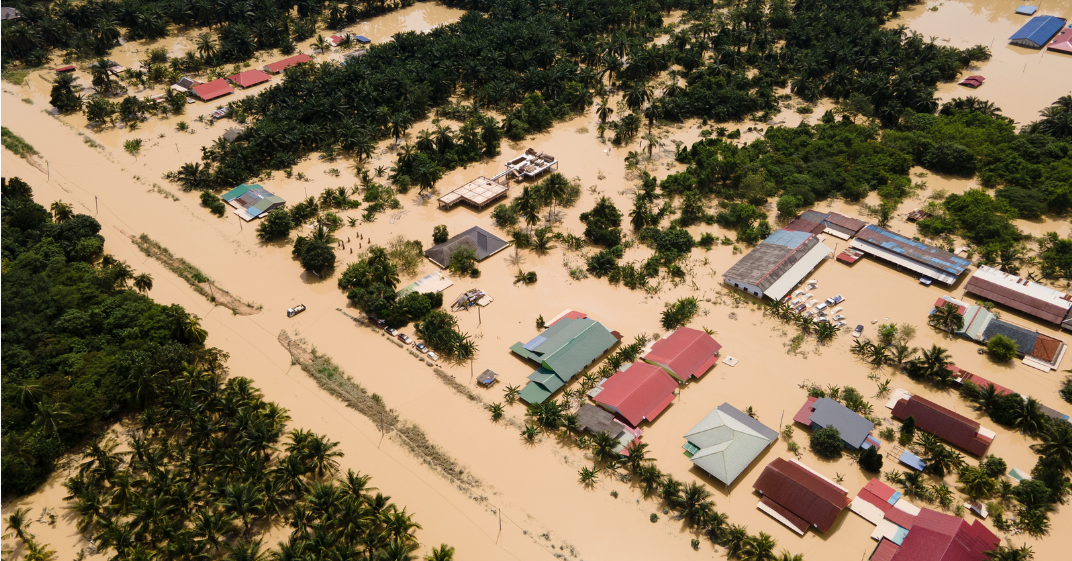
{"x": 232, "y": 134}
{"x": 62, "y": 69}
{"x": 1027, "y": 10}
{"x": 487, "y": 378}
{"x": 1036, "y": 33}
{"x": 362, "y": 39}
{"x": 911, "y": 460}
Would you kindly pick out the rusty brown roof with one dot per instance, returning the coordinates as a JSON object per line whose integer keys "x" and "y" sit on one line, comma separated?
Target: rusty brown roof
{"x": 802, "y": 493}
{"x": 952, "y": 427}
{"x": 1046, "y": 348}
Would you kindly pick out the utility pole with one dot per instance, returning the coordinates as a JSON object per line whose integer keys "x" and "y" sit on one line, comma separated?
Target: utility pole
{"x": 96, "y": 207}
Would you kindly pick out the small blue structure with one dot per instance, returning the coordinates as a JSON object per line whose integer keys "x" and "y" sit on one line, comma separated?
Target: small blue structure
{"x": 362, "y": 39}
{"x": 1037, "y": 32}
{"x": 1027, "y": 10}
{"x": 913, "y": 461}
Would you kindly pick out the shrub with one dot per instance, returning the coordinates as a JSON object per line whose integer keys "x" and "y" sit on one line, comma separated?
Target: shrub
{"x": 213, "y": 202}
{"x": 439, "y": 234}
{"x": 317, "y": 257}
{"x": 826, "y": 443}
{"x": 603, "y": 224}
{"x": 870, "y": 460}
{"x": 277, "y": 224}
{"x": 463, "y": 261}
{"x": 679, "y": 313}
{"x": 1001, "y": 348}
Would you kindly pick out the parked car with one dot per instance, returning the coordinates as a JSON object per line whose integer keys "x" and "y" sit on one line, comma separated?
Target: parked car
{"x": 433, "y": 356}
{"x": 391, "y": 331}
{"x": 858, "y": 331}
{"x": 821, "y": 306}
{"x": 839, "y": 317}
{"x": 422, "y": 347}
{"x": 835, "y": 300}
{"x": 377, "y": 321}
{"x": 404, "y": 338}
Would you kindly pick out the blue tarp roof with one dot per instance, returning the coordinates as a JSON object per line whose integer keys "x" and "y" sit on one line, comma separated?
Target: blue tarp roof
{"x": 913, "y": 461}
{"x": 1039, "y": 29}
{"x": 362, "y": 39}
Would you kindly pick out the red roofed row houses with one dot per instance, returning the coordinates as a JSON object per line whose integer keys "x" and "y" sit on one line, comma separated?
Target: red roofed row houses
{"x": 212, "y": 90}
{"x": 281, "y": 65}
{"x": 686, "y": 353}
{"x": 951, "y": 427}
{"x": 906, "y": 532}
{"x": 248, "y": 78}
{"x": 639, "y": 393}
{"x": 799, "y": 497}
{"x": 1020, "y": 294}
{"x": 973, "y": 81}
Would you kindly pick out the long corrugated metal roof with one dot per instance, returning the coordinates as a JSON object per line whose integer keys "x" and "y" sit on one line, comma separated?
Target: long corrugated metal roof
{"x": 1020, "y": 294}
{"x": 1038, "y": 30}
{"x": 765, "y": 264}
{"x": 795, "y": 274}
{"x": 954, "y": 428}
{"x": 915, "y": 251}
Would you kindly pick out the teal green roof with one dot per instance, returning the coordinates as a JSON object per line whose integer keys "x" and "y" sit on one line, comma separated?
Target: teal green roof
{"x": 562, "y": 351}
{"x": 238, "y": 192}
{"x": 268, "y": 203}
{"x": 533, "y": 393}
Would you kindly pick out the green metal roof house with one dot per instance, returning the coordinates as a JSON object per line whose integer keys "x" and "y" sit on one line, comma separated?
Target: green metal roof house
{"x": 562, "y": 351}
{"x": 251, "y": 201}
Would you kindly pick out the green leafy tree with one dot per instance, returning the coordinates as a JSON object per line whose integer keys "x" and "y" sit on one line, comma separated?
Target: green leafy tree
{"x": 439, "y": 234}
{"x": 277, "y": 225}
{"x": 826, "y": 442}
{"x": 1001, "y": 348}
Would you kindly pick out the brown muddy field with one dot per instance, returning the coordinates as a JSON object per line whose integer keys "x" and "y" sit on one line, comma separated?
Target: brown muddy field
{"x": 544, "y": 510}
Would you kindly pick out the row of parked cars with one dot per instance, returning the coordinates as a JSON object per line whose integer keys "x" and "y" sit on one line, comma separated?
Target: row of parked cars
{"x": 406, "y": 339}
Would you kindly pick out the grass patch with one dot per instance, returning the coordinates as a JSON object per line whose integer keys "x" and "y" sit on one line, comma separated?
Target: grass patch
{"x": 335, "y": 381}
{"x": 16, "y": 144}
{"x": 194, "y": 277}
{"x": 17, "y": 77}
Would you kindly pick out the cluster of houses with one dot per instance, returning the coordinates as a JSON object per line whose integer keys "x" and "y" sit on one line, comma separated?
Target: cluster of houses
{"x": 482, "y": 191}
{"x": 1040, "y": 32}
{"x": 207, "y": 91}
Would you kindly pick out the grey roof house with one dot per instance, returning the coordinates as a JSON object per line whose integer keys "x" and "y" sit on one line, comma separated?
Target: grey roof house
{"x": 777, "y": 264}
{"x": 726, "y": 442}
{"x": 483, "y": 242}
{"x": 825, "y": 412}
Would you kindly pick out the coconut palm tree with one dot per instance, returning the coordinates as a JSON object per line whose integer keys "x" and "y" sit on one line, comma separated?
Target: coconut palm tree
{"x": 1010, "y": 553}
{"x": 442, "y": 553}
{"x": 17, "y": 523}
{"x": 511, "y": 392}
{"x": 735, "y": 539}
{"x": 947, "y": 318}
{"x": 825, "y": 331}
{"x": 1056, "y": 443}
{"x": 530, "y": 432}
{"x": 650, "y": 478}
{"x": 694, "y": 503}
{"x": 143, "y": 283}
{"x": 758, "y": 548}
{"x": 588, "y": 476}
{"x": 603, "y": 445}
{"x": 975, "y": 483}
{"x": 942, "y": 460}
{"x": 61, "y": 212}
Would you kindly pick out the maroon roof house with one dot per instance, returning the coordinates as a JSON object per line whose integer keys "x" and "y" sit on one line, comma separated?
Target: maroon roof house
{"x": 951, "y": 427}
{"x": 798, "y": 497}
{"x": 936, "y": 536}
{"x": 686, "y": 353}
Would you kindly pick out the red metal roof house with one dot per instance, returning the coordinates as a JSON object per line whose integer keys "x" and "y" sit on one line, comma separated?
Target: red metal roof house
{"x": 798, "y": 497}
{"x": 281, "y": 65}
{"x": 248, "y": 78}
{"x": 211, "y": 90}
{"x": 955, "y": 429}
{"x": 686, "y": 353}
{"x": 638, "y": 393}
{"x": 936, "y": 536}
{"x": 1063, "y": 42}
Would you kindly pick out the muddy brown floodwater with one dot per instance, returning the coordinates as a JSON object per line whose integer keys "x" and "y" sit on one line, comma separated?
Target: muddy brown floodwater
{"x": 1019, "y": 80}
{"x": 535, "y": 487}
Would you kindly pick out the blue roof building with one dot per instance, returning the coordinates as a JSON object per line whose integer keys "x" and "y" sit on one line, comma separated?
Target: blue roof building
{"x": 929, "y": 261}
{"x": 1037, "y": 32}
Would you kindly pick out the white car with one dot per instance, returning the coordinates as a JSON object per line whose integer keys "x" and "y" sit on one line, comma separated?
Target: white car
{"x": 837, "y": 309}
{"x": 433, "y": 356}
{"x": 405, "y": 338}
{"x": 839, "y": 317}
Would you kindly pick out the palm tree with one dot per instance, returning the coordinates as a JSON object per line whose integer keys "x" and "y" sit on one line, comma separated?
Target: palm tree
{"x": 443, "y": 553}
{"x": 588, "y": 475}
{"x": 143, "y": 283}
{"x": 948, "y": 318}
{"x": 50, "y": 416}
{"x": 603, "y": 445}
{"x": 787, "y": 556}
{"x": 1056, "y": 443}
{"x": 942, "y": 460}
{"x": 1010, "y": 553}
{"x": 206, "y": 46}
{"x": 530, "y": 432}
{"x": 825, "y": 331}
{"x": 510, "y": 393}
{"x": 396, "y": 551}
{"x": 554, "y": 190}
{"x": 61, "y": 212}
{"x": 604, "y": 111}
{"x": 496, "y": 411}
{"x": 694, "y": 503}
{"x": 16, "y": 523}
{"x": 975, "y": 483}
{"x": 649, "y": 477}
{"x": 1028, "y": 416}
{"x": 734, "y": 539}
{"x": 758, "y": 548}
